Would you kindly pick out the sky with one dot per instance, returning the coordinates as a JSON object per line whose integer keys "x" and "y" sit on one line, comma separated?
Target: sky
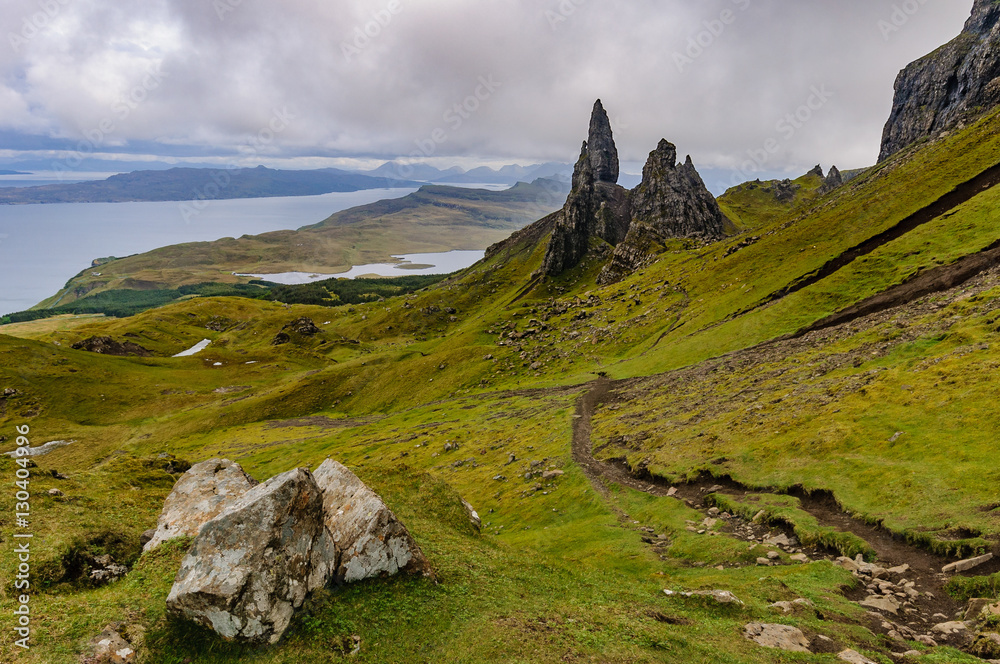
{"x": 352, "y": 83}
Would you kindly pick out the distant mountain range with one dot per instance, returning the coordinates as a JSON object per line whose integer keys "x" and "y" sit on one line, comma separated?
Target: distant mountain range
{"x": 483, "y": 175}
{"x": 185, "y": 184}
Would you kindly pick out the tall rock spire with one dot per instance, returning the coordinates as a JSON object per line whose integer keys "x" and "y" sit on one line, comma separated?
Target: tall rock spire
{"x": 601, "y": 146}
{"x": 597, "y": 207}
{"x": 599, "y": 215}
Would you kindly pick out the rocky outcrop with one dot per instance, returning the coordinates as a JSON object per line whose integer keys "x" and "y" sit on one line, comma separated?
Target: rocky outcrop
{"x": 955, "y": 83}
{"x": 261, "y": 549}
{"x": 671, "y": 202}
{"x": 833, "y": 180}
{"x": 254, "y": 564}
{"x": 370, "y": 540}
{"x": 199, "y": 496}
{"x": 304, "y": 327}
{"x": 108, "y": 346}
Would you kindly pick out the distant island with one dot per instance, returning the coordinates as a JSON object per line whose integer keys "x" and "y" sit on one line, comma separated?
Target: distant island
{"x": 3, "y": 172}
{"x": 186, "y": 184}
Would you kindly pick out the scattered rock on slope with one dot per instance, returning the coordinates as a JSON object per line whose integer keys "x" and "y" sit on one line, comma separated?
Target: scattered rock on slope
{"x": 111, "y": 648}
{"x": 954, "y": 83}
{"x": 108, "y": 346}
{"x": 199, "y": 496}
{"x": 474, "y": 520}
{"x": 781, "y": 637}
{"x": 252, "y": 565}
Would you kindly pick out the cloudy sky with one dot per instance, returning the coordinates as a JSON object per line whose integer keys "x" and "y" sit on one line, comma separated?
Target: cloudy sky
{"x": 309, "y": 83}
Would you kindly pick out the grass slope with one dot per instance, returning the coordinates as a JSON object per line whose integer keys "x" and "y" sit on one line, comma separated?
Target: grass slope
{"x": 493, "y": 360}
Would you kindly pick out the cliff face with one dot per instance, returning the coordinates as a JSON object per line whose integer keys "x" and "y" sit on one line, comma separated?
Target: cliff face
{"x": 958, "y": 81}
{"x": 671, "y": 202}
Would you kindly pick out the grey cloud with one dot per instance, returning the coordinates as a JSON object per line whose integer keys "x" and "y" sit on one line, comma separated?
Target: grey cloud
{"x": 229, "y": 65}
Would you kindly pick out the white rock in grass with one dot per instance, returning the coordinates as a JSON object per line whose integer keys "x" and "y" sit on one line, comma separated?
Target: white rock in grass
{"x": 199, "y": 496}
{"x": 370, "y": 540}
{"x": 252, "y": 565}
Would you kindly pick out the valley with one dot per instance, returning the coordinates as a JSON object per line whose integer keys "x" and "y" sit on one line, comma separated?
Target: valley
{"x": 748, "y": 429}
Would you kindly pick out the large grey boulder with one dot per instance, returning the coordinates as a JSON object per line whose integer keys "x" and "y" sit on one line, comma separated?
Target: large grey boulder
{"x": 370, "y": 540}
{"x": 198, "y": 497}
{"x": 255, "y": 563}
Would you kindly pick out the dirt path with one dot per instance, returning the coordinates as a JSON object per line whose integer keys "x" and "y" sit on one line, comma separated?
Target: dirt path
{"x": 935, "y": 280}
{"x": 892, "y": 551}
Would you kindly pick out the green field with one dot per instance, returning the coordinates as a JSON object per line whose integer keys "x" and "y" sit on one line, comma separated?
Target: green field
{"x": 877, "y": 437}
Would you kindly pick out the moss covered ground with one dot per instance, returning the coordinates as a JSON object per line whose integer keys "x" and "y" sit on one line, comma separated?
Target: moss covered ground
{"x": 494, "y": 361}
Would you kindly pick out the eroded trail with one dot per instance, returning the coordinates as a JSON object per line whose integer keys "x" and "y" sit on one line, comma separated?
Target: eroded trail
{"x": 933, "y": 605}
{"x": 963, "y": 193}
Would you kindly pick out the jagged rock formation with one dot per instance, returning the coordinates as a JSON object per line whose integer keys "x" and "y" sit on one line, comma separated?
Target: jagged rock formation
{"x": 833, "y": 180}
{"x": 817, "y": 170}
{"x": 672, "y": 201}
{"x": 956, "y": 82}
{"x": 260, "y": 549}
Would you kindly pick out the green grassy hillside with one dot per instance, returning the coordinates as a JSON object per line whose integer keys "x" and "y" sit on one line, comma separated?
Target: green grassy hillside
{"x": 874, "y": 437}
